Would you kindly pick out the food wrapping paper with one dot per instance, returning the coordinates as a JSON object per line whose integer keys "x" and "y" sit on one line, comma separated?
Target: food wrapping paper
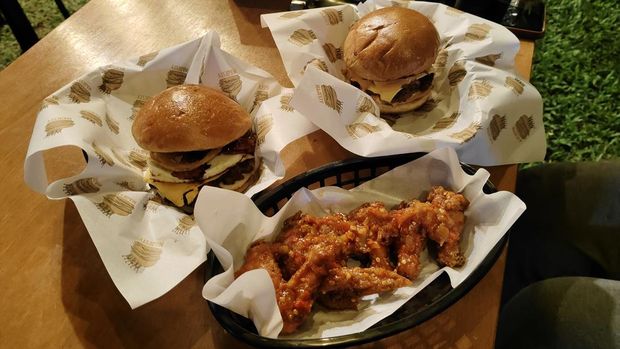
{"x": 147, "y": 247}
{"x": 252, "y": 294}
{"x": 478, "y": 105}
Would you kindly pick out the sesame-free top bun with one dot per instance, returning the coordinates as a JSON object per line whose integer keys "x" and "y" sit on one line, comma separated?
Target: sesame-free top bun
{"x": 391, "y": 43}
{"x": 189, "y": 118}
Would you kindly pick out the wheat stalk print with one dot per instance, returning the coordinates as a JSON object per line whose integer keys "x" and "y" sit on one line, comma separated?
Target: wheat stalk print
{"x": 104, "y": 158}
{"x": 285, "y": 103}
{"x": 442, "y": 59}
{"x": 479, "y": 89}
{"x": 79, "y": 92}
{"x": 446, "y": 122}
{"x": 332, "y": 16}
{"x": 55, "y": 126}
{"x": 467, "y": 133}
{"x": 496, "y": 125}
{"x": 184, "y": 225}
{"x": 118, "y": 204}
{"x": 523, "y": 127}
{"x": 82, "y": 186}
{"x": 53, "y": 100}
{"x": 317, "y": 63}
{"x": 516, "y": 85}
{"x": 302, "y": 37}
{"x": 176, "y": 76}
{"x": 144, "y": 254}
{"x": 457, "y": 73}
{"x": 327, "y": 95}
{"x": 451, "y": 11}
{"x": 292, "y": 14}
{"x": 365, "y": 105}
{"x": 263, "y": 126}
{"x": 112, "y": 124}
{"x": 137, "y": 104}
{"x": 477, "y": 32}
{"x": 128, "y": 186}
{"x": 91, "y": 117}
{"x": 361, "y": 129}
{"x": 428, "y": 106}
{"x": 152, "y": 206}
{"x": 260, "y": 96}
{"x": 230, "y": 83}
{"x": 143, "y": 60}
{"x": 111, "y": 80}
{"x": 138, "y": 158}
{"x": 489, "y": 59}
{"x": 332, "y": 52}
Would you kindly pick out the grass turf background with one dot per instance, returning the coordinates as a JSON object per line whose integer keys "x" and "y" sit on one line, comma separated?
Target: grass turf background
{"x": 576, "y": 70}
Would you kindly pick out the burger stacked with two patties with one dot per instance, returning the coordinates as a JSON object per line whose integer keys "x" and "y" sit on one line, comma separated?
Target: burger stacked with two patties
{"x": 196, "y": 136}
{"x": 389, "y": 54}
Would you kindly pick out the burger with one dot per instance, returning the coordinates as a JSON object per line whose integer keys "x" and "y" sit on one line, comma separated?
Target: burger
{"x": 196, "y": 136}
{"x": 389, "y": 54}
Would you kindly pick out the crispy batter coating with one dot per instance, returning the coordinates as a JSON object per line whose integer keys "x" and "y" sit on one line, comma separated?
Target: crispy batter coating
{"x": 307, "y": 261}
{"x": 343, "y": 287}
{"x": 375, "y": 231}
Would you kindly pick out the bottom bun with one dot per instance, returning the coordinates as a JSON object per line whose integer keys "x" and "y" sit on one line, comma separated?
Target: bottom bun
{"x": 415, "y": 102}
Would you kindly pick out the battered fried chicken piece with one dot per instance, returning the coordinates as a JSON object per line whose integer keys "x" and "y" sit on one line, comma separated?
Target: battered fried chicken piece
{"x": 441, "y": 219}
{"x": 302, "y": 232}
{"x": 343, "y": 287}
{"x": 260, "y": 255}
{"x": 451, "y": 213}
{"x": 295, "y": 296}
{"x": 375, "y": 231}
{"x": 410, "y": 243}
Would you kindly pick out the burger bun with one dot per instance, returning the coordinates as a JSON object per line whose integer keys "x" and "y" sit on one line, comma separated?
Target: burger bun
{"x": 189, "y": 118}
{"x": 391, "y": 43}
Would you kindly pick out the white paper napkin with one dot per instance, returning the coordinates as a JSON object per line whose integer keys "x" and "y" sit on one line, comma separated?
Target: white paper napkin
{"x": 146, "y": 247}
{"x": 478, "y": 105}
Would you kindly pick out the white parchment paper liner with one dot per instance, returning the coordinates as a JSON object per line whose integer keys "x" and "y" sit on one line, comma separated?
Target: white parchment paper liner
{"x": 229, "y": 233}
{"x": 478, "y": 105}
{"x": 146, "y": 247}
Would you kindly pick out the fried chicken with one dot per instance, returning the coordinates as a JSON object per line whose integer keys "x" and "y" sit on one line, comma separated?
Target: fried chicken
{"x": 308, "y": 259}
{"x": 375, "y": 231}
{"x": 343, "y": 287}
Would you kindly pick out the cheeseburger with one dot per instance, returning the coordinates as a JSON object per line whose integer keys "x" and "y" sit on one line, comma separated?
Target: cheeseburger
{"x": 389, "y": 54}
{"x": 196, "y": 136}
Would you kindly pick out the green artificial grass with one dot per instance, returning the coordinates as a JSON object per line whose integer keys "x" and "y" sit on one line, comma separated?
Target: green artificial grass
{"x": 576, "y": 70}
{"x": 43, "y": 15}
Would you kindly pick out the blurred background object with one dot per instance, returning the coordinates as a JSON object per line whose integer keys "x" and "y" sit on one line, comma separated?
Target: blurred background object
{"x": 41, "y": 15}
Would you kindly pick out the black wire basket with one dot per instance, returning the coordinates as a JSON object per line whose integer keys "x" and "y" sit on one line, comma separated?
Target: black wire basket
{"x": 347, "y": 174}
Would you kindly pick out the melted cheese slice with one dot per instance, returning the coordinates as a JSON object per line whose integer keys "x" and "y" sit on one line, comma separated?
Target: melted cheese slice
{"x": 385, "y": 89}
{"x": 217, "y": 166}
{"x": 386, "y": 92}
{"x": 223, "y": 162}
{"x": 176, "y": 191}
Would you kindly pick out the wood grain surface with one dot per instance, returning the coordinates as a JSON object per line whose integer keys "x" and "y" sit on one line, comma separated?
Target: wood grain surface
{"x": 55, "y": 289}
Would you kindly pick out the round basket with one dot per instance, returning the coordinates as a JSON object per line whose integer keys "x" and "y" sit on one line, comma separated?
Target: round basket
{"x": 347, "y": 174}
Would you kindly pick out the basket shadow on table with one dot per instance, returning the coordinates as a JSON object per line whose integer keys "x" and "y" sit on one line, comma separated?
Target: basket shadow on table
{"x": 102, "y": 318}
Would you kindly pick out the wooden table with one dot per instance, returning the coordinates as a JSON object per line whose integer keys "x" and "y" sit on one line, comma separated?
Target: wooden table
{"x": 55, "y": 290}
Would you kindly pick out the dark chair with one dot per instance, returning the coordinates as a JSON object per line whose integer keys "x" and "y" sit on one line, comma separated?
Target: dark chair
{"x": 15, "y": 17}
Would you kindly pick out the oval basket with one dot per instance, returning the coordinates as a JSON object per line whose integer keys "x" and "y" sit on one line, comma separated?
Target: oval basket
{"x": 347, "y": 174}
